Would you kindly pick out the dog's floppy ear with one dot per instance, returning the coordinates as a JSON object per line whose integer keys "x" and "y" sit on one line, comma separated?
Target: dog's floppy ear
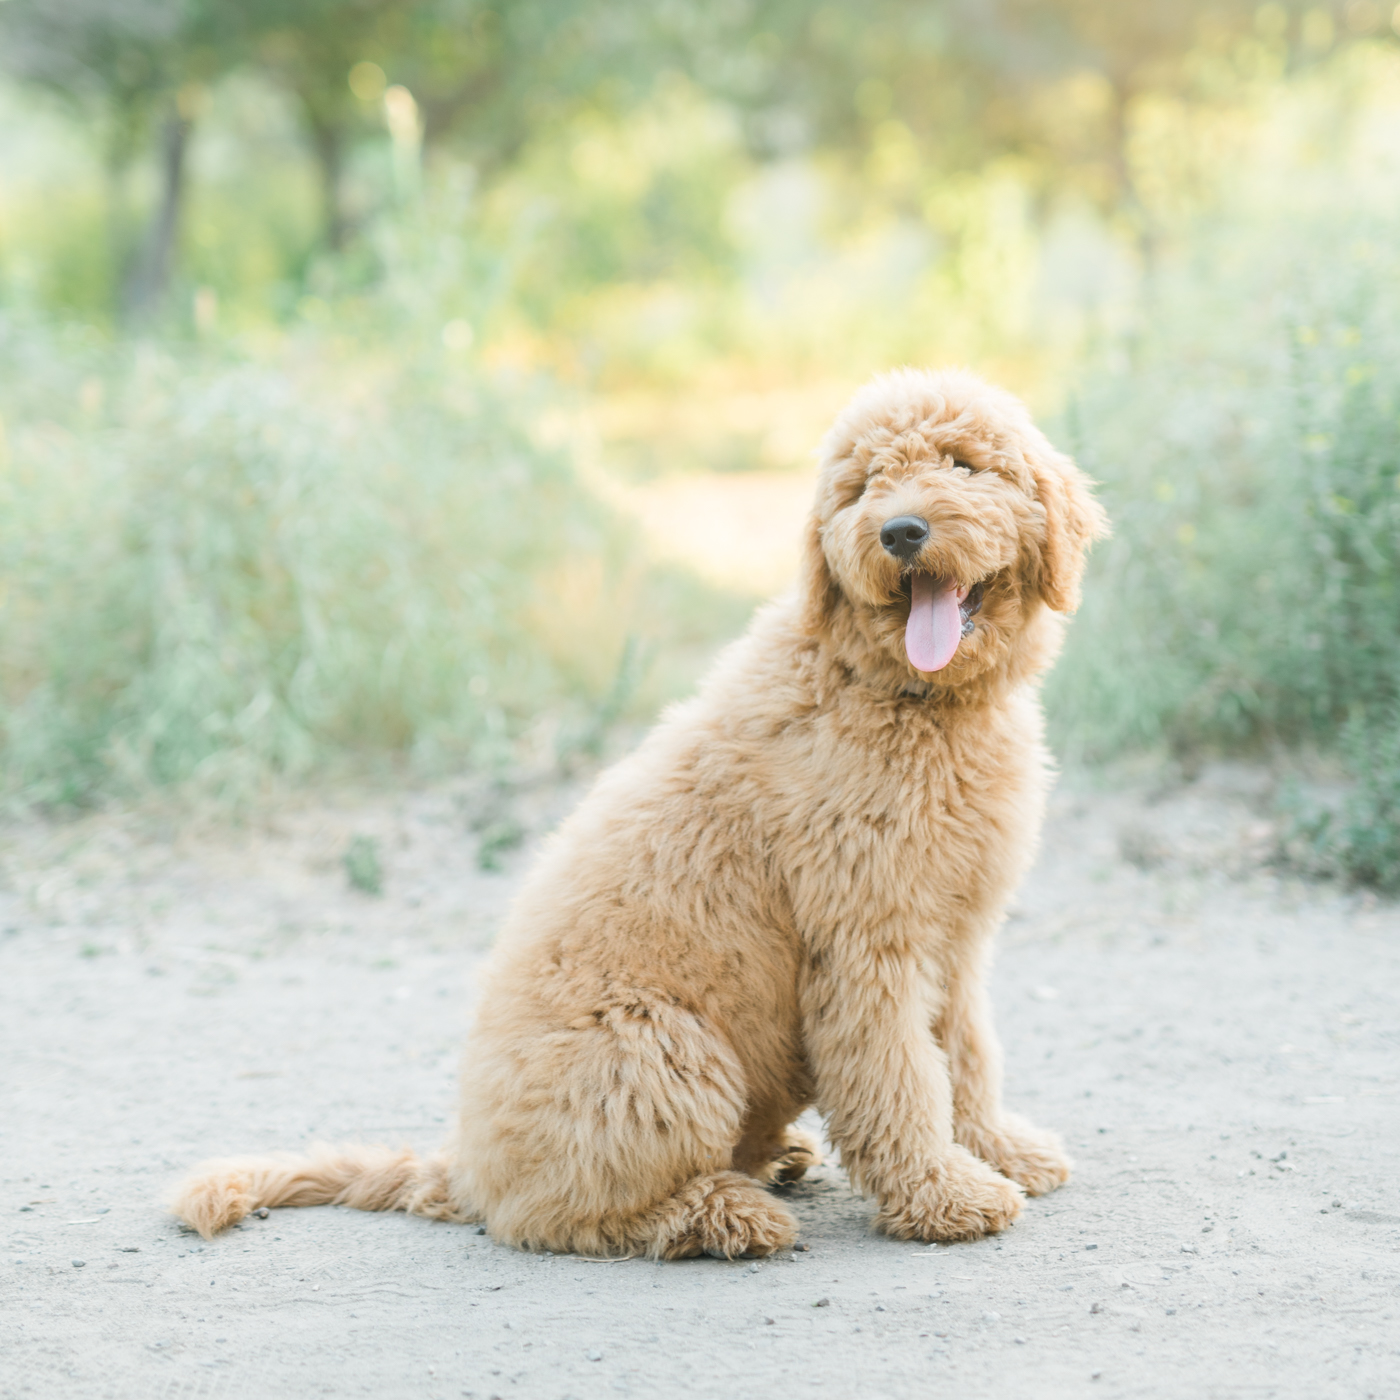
{"x": 1073, "y": 520}
{"x": 817, "y": 587}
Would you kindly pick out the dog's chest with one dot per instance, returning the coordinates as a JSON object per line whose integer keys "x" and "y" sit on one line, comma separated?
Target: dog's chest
{"x": 920, "y": 812}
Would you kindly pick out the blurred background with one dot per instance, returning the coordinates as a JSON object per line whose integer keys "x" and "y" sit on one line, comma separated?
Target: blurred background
{"x": 402, "y": 387}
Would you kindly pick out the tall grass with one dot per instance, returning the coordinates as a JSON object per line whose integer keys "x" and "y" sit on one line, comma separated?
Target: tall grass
{"x": 1247, "y": 435}
{"x": 215, "y": 569}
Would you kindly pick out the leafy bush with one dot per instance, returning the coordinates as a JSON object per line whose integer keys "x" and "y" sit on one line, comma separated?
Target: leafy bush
{"x": 1364, "y": 840}
{"x": 214, "y": 569}
{"x": 1248, "y": 441}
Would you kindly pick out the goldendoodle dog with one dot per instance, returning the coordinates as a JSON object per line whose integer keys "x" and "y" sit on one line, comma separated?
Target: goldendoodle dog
{"x": 785, "y": 896}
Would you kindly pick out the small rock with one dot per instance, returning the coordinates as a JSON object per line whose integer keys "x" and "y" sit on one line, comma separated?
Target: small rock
{"x": 822, "y": 1303}
{"x": 801, "y": 1248}
{"x": 753, "y": 1268}
{"x": 991, "y": 1317}
{"x": 594, "y": 1355}
{"x": 1094, "y": 1375}
{"x": 1091, "y": 1246}
{"x": 767, "y": 1321}
{"x": 1189, "y": 1249}
{"x": 80, "y": 1263}
{"x": 262, "y": 1212}
{"x": 481, "y": 1229}
{"x": 26, "y": 1207}
{"x": 1095, "y": 1307}
{"x": 1020, "y": 1341}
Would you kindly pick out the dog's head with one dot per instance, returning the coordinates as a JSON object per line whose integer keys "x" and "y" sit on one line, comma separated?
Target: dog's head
{"x": 944, "y": 527}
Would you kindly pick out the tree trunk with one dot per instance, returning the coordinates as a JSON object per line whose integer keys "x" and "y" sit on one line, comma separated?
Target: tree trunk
{"x": 328, "y": 140}
{"x": 148, "y": 275}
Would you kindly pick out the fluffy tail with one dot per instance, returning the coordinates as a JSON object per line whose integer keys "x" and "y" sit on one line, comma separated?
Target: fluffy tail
{"x": 222, "y": 1192}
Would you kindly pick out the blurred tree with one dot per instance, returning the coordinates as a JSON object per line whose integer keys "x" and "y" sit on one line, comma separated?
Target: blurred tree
{"x": 970, "y": 80}
{"x": 311, "y": 47}
{"x": 126, "y": 67}
{"x": 483, "y": 73}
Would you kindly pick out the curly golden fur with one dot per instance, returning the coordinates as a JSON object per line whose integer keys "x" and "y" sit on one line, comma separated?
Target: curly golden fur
{"x": 783, "y": 898}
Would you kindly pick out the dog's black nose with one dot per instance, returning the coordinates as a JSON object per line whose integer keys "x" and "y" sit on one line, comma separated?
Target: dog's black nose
{"x": 904, "y": 536}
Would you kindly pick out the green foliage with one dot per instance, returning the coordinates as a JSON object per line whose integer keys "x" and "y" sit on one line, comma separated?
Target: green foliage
{"x": 215, "y": 570}
{"x": 362, "y": 866}
{"x": 1355, "y": 837}
{"x": 1365, "y": 841}
{"x": 1247, "y": 434}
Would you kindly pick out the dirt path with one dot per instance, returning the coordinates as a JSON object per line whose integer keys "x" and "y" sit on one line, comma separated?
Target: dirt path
{"x": 1220, "y": 1048}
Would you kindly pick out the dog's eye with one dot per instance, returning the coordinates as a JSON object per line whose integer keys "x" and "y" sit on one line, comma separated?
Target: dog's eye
{"x": 963, "y": 466}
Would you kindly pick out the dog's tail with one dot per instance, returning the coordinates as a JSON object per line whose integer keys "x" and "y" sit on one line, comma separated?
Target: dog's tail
{"x": 220, "y": 1193}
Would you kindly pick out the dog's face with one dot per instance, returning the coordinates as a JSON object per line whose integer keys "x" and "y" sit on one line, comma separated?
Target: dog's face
{"x": 944, "y": 525}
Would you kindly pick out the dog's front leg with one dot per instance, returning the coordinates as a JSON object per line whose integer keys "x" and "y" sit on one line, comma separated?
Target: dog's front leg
{"x": 884, "y": 1087}
{"x": 1029, "y": 1155}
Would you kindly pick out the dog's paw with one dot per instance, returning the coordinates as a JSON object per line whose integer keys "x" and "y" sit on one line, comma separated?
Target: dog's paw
{"x": 1033, "y": 1157}
{"x": 725, "y": 1216}
{"x": 799, "y": 1152}
{"x": 961, "y": 1199}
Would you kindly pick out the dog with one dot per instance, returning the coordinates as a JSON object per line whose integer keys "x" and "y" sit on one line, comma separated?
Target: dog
{"x": 785, "y": 896}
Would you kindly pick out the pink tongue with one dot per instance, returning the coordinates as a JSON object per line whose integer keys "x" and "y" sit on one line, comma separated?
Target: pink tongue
{"x": 935, "y": 624}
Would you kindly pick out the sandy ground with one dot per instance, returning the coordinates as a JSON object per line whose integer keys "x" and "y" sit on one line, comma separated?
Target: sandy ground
{"x": 1219, "y": 1045}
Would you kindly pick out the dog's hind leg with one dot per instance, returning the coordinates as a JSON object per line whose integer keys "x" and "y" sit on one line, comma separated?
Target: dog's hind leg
{"x": 614, "y": 1133}
{"x": 220, "y": 1193}
{"x": 724, "y": 1214}
{"x": 776, "y": 1150}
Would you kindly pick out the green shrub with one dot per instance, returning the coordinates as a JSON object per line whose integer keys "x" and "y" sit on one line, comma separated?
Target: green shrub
{"x": 1364, "y": 841}
{"x": 1248, "y": 442}
{"x": 215, "y": 569}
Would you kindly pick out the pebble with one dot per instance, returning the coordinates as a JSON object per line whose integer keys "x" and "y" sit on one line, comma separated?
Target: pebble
{"x": 262, "y": 1212}
{"x": 481, "y": 1229}
{"x": 991, "y": 1317}
{"x": 767, "y": 1321}
{"x": 822, "y": 1303}
{"x": 595, "y": 1355}
{"x": 801, "y": 1248}
{"x": 80, "y": 1263}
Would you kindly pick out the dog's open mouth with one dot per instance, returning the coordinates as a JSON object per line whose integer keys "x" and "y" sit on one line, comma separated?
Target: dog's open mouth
{"x": 940, "y": 616}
